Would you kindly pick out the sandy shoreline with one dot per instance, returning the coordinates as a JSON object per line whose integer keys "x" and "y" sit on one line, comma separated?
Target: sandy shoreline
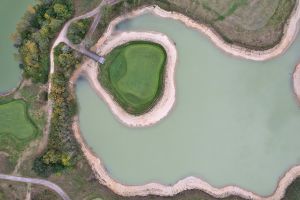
{"x": 188, "y": 183}
{"x": 164, "y": 103}
{"x": 11, "y": 91}
{"x": 296, "y": 81}
{"x": 290, "y": 32}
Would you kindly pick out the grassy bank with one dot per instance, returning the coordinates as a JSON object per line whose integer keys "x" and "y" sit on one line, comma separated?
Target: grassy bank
{"x": 22, "y": 119}
{"x": 133, "y": 74}
{"x": 255, "y": 25}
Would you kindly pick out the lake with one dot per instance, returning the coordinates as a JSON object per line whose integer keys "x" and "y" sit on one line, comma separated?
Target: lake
{"x": 11, "y": 12}
{"x": 235, "y": 122}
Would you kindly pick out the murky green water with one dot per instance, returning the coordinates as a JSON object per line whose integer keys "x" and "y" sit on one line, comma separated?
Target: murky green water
{"x": 11, "y": 13}
{"x": 236, "y": 122}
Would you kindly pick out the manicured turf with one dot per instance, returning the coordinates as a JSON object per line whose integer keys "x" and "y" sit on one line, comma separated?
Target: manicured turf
{"x": 133, "y": 73}
{"x": 14, "y": 120}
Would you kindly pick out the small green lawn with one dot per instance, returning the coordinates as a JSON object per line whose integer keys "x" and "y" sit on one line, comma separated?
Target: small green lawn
{"x": 133, "y": 74}
{"x": 14, "y": 121}
{"x": 16, "y": 128}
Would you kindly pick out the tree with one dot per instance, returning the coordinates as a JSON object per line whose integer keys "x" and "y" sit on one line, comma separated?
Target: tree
{"x": 30, "y": 54}
{"x": 38, "y": 27}
{"x": 61, "y": 11}
{"x": 52, "y": 157}
{"x": 78, "y": 30}
{"x": 66, "y": 60}
{"x": 66, "y": 160}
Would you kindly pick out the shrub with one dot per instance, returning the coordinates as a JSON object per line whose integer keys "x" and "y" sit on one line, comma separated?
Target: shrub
{"x": 78, "y": 30}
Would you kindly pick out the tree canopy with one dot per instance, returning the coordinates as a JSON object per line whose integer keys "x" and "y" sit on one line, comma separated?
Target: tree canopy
{"x": 35, "y": 32}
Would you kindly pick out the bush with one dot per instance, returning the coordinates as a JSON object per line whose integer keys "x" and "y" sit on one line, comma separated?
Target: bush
{"x": 45, "y": 170}
{"x": 78, "y": 30}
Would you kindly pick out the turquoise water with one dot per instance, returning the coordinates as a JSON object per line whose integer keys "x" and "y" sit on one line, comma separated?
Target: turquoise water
{"x": 11, "y": 13}
{"x": 235, "y": 122}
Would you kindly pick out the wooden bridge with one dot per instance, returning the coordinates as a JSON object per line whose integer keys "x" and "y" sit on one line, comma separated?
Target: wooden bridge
{"x": 81, "y": 49}
{"x": 92, "y": 55}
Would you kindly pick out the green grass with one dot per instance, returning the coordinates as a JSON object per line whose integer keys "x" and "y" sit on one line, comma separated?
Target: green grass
{"x": 133, "y": 73}
{"x": 16, "y": 128}
{"x": 83, "y": 6}
{"x": 14, "y": 121}
{"x": 255, "y": 25}
{"x": 234, "y": 5}
{"x": 1, "y": 196}
{"x": 281, "y": 13}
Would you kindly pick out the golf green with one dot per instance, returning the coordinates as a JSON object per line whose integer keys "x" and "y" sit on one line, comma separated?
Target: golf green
{"x": 15, "y": 122}
{"x": 133, "y": 74}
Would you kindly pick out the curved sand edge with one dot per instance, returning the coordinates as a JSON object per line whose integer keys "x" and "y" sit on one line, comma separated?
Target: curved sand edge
{"x": 13, "y": 90}
{"x": 296, "y": 81}
{"x": 163, "y": 105}
{"x": 291, "y": 30}
{"x": 190, "y": 183}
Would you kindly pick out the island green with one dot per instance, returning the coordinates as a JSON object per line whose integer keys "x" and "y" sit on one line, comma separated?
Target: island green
{"x": 133, "y": 74}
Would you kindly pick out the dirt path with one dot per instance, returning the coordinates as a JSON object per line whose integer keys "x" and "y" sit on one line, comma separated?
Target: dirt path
{"x": 62, "y": 37}
{"x": 4, "y": 153}
{"x": 29, "y": 151}
{"x": 28, "y": 193}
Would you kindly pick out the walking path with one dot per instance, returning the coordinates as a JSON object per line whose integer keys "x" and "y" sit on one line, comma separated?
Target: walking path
{"x": 28, "y": 193}
{"x": 42, "y": 182}
{"x": 62, "y": 37}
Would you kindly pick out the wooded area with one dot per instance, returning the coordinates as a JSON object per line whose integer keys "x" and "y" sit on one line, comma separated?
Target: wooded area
{"x": 35, "y": 32}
